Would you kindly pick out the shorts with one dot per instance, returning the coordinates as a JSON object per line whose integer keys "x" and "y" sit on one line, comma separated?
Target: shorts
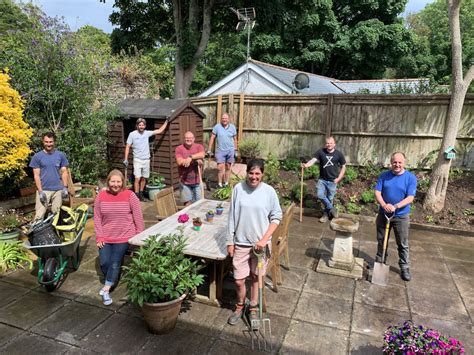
{"x": 227, "y": 156}
{"x": 245, "y": 262}
{"x": 141, "y": 168}
{"x": 190, "y": 192}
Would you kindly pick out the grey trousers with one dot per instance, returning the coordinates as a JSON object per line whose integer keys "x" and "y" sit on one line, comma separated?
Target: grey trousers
{"x": 400, "y": 225}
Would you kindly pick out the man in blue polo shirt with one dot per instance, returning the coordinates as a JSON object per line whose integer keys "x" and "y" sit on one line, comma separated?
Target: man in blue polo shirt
{"x": 226, "y": 135}
{"x": 395, "y": 191}
{"x": 50, "y": 174}
{"x": 138, "y": 140}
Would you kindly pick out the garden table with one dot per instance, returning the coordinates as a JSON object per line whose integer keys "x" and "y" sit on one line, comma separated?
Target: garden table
{"x": 209, "y": 243}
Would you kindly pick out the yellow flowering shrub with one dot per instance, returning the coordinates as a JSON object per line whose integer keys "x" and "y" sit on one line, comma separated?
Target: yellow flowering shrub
{"x": 15, "y": 133}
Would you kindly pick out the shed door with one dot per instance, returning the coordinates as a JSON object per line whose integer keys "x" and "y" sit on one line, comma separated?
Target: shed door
{"x": 190, "y": 122}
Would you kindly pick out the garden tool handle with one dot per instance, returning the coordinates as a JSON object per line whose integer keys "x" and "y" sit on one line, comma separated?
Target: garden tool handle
{"x": 259, "y": 255}
{"x": 200, "y": 181}
{"x": 301, "y": 195}
{"x": 385, "y": 238}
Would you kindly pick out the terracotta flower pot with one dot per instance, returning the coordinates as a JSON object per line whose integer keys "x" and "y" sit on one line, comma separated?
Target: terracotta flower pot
{"x": 161, "y": 318}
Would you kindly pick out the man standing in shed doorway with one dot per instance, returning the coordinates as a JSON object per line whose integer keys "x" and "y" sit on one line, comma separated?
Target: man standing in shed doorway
{"x": 332, "y": 167}
{"x": 138, "y": 140}
{"x": 226, "y": 135}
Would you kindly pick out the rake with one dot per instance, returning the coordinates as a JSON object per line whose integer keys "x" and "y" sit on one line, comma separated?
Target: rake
{"x": 261, "y": 327}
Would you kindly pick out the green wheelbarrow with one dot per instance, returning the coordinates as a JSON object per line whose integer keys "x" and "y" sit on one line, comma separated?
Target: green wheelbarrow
{"x": 54, "y": 258}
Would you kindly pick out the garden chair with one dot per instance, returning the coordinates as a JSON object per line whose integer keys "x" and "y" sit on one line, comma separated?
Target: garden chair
{"x": 80, "y": 193}
{"x": 165, "y": 203}
{"x": 280, "y": 248}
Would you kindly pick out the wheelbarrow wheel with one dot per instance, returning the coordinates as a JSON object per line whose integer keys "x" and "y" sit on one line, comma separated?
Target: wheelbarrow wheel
{"x": 50, "y": 268}
{"x": 75, "y": 259}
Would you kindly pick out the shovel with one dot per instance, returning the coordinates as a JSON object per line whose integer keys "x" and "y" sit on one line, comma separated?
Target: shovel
{"x": 260, "y": 327}
{"x": 381, "y": 270}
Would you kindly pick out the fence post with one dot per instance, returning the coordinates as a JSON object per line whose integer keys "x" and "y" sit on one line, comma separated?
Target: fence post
{"x": 329, "y": 107}
{"x": 219, "y": 109}
{"x": 241, "y": 118}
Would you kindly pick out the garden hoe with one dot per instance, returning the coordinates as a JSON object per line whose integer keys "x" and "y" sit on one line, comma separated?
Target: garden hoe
{"x": 381, "y": 270}
{"x": 261, "y": 327}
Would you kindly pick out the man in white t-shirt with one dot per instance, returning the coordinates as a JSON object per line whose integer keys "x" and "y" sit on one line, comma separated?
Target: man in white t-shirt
{"x": 138, "y": 140}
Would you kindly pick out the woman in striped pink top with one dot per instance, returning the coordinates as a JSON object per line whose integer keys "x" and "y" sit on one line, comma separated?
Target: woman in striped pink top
{"x": 117, "y": 218}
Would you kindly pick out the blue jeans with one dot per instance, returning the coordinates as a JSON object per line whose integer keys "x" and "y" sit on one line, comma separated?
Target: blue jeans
{"x": 190, "y": 193}
{"x": 110, "y": 257}
{"x": 326, "y": 191}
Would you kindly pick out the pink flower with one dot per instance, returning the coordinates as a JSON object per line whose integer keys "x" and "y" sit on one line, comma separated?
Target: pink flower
{"x": 183, "y": 218}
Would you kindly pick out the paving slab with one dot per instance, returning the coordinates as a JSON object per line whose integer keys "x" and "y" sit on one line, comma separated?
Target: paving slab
{"x": 118, "y": 334}
{"x": 230, "y": 348}
{"x": 30, "y": 309}
{"x": 90, "y": 295}
{"x": 8, "y": 333}
{"x": 72, "y": 322}
{"x": 330, "y": 285}
{"x": 180, "y": 341}
{"x": 283, "y": 302}
{"x": 293, "y": 278}
{"x": 456, "y": 252}
{"x": 466, "y": 290}
{"x": 390, "y": 297}
{"x": 308, "y": 338}
{"x": 361, "y": 344}
{"x": 464, "y": 269}
{"x": 10, "y": 292}
{"x": 427, "y": 267}
{"x": 73, "y": 284}
{"x": 23, "y": 277}
{"x": 29, "y": 343}
{"x": 203, "y": 319}
{"x": 325, "y": 310}
{"x": 373, "y": 321}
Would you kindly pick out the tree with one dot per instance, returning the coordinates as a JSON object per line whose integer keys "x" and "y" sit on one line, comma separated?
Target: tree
{"x": 436, "y": 195}
{"x": 144, "y": 25}
{"x": 15, "y": 133}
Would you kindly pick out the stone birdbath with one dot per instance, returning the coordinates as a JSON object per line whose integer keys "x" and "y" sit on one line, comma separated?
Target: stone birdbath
{"x": 342, "y": 262}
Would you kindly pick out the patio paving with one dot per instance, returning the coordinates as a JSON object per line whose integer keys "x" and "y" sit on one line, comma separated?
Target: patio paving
{"x": 312, "y": 313}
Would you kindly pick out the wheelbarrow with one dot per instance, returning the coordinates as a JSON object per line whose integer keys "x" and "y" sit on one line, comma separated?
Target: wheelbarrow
{"x": 53, "y": 259}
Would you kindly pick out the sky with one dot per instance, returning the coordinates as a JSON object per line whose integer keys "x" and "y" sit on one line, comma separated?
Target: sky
{"x": 78, "y": 13}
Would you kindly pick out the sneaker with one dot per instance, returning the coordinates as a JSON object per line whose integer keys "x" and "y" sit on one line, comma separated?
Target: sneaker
{"x": 219, "y": 185}
{"x": 324, "y": 218}
{"x": 101, "y": 292}
{"x": 140, "y": 196}
{"x": 106, "y": 299}
{"x": 405, "y": 274}
{"x": 254, "y": 320}
{"x": 333, "y": 212}
{"x": 237, "y": 315}
{"x": 226, "y": 184}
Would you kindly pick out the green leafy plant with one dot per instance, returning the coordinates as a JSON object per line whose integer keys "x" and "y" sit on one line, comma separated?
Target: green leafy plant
{"x": 219, "y": 205}
{"x": 210, "y": 212}
{"x": 296, "y": 191}
{"x": 12, "y": 256}
{"x": 350, "y": 175}
{"x": 291, "y": 164}
{"x": 455, "y": 173}
{"x": 429, "y": 218}
{"x": 223, "y": 193}
{"x": 156, "y": 179}
{"x": 410, "y": 339}
{"x": 353, "y": 208}
{"x": 272, "y": 170}
{"x": 368, "y": 196}
{"x": 197, "y": 221}
{"x": 468, "y": 212}
{"x": 160, "y": 272}
{"x": 85, "y": 193}
{"x": 370, "y": 171}
{"x": 10, "y": 220}
{"x": 311, "y": 173}
{"x": 250, "y": 148}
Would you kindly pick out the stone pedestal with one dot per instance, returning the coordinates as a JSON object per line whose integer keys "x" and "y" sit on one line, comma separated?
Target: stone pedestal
{"x": 342, "y": 262}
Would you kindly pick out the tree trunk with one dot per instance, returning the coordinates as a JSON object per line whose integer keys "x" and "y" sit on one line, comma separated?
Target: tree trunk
{"x": 436, "y": 195}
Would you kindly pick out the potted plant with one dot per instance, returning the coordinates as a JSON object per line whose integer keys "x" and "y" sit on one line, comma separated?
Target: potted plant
{"x": 197, "y": 223}
{"x": 219, "y": 209}
{"x": 210, "y": 215}
{"x": 10, "y": 221}
{"x": 411, "y": 339}
{"x": 155, "y": 183}
{"x": 158, "y": 279}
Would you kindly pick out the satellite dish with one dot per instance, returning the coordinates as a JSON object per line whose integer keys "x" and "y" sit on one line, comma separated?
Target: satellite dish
{"x": 301, "y": 81}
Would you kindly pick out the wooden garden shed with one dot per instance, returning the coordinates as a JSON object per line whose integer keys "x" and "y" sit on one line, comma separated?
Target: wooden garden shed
{"x": 183, "y": 116}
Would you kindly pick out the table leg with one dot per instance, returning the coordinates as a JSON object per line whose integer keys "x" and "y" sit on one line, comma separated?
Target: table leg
{"x": 212, "y": 282}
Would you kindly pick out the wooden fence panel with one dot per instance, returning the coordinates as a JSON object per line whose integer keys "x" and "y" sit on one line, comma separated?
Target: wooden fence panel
{"x": 366, "y": 127}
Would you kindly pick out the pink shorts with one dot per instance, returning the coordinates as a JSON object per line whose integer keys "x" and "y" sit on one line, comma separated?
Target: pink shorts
{"x": 245, "y": 262}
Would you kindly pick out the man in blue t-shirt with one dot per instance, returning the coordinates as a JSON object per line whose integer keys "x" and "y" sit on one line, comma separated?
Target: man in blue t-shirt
{"x": 395, "y": 191}
{"x": 332, "y": 167}
{"x": 226, "y": 135}
{"x": 138, "y": 140}
{"x": 51, "y": 175}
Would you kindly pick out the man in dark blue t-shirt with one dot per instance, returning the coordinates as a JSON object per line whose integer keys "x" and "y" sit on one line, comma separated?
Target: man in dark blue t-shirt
{"x": 332, "y": 166}
{"x": 395, "y": 191}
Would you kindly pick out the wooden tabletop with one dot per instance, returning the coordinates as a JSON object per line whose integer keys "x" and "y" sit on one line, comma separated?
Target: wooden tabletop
{"x": 209, "y": 242}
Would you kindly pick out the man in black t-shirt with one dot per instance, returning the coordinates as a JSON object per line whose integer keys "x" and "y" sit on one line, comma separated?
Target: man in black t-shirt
{"x": 332, "y": 166}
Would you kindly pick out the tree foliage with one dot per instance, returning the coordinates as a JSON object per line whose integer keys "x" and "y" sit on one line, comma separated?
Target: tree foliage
{"x": 15, "y": 133}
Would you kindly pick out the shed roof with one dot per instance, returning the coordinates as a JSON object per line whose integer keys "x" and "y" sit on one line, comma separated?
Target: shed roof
{"x": 150, "y": 108}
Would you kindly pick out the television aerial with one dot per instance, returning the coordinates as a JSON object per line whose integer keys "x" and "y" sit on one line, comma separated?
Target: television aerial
{"x": 300, "y": 82}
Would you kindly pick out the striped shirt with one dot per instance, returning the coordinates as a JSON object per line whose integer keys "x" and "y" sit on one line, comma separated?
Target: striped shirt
{"x": 117, "y": 218}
